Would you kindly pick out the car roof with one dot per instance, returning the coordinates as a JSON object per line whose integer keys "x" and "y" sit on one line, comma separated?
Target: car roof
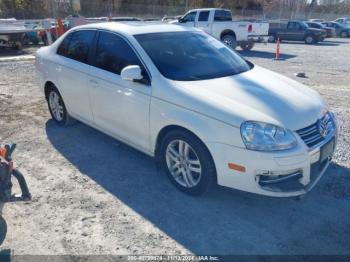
{"x": 208, "y": 9}
{"x": 135, "y": 28}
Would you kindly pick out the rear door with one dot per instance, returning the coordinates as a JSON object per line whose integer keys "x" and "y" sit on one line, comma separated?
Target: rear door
{"x": 202, "y": 21}
{"x": 121, "y": 108}
{"x": 294, "y": 32}
{"x": 72, "y": 69}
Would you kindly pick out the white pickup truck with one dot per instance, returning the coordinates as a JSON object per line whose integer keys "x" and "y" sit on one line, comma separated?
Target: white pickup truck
{"x": 218, "y": 23}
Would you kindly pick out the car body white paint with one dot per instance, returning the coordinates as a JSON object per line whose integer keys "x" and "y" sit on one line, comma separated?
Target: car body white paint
{"x": 258, "y": 31}
{"x": 211, "y": 109}
{"x": 216, "y": 29}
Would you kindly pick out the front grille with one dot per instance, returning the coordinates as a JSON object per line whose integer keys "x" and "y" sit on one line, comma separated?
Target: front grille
{"x": 311, "y": 135}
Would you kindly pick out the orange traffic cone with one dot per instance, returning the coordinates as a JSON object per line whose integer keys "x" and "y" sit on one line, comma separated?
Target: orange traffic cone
{"x": 277, "y": 57}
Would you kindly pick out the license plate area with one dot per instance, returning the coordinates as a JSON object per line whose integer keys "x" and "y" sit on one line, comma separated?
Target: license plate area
{"x": 327, "y": 150}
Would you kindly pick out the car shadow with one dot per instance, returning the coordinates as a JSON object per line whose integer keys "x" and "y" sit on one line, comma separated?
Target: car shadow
{"x": 323, "y": 43}
{"x": 224, "y": 221}
{"x": 264, "y": 54}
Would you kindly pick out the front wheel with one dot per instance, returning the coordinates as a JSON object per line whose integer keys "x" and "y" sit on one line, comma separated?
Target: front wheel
{"x": 187, "y": 162}
{"x": 230, "y": 41}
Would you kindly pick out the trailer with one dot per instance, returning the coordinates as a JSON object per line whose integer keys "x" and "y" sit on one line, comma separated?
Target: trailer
{"x": 12, "y": 33}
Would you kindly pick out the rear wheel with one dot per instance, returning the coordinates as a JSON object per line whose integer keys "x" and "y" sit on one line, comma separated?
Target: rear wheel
{"x": 246, "y": 46}
{"x": 57, "y": 107}
{"x": 229, "y": 40}
{"x": 344, "y": 34}
{"x": 272, "y": 38}
{"x": 17, "y": 45}
{"x": 187, "y": 162}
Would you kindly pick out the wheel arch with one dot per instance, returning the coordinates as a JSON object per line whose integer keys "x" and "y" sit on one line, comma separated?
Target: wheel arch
{"x": 227, "y": 32}
{"x": 47, "y": 86}
{"x": 165, "y": 130}
{"x": 169, "y": 128}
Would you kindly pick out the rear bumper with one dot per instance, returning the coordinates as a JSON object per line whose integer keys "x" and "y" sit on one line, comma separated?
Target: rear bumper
{"x": 258, "y": 38}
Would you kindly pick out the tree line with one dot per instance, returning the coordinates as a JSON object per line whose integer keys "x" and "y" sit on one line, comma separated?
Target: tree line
{"x": 30, "y": 9}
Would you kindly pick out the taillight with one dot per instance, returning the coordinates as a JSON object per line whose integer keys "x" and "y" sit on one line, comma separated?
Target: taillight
{"x": 250, "y": 28}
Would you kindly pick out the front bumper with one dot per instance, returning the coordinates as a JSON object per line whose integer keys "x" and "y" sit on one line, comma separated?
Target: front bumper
{"x": 276, "y": 174}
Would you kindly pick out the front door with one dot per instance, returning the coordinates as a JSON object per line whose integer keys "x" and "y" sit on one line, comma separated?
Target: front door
{"x": 119, "y": 107}
{"x": 189, "y": 19}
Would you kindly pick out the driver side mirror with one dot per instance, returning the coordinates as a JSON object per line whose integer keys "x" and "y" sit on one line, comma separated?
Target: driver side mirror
{"x": 131, "y": 73}
{"x": 181, "y": 20}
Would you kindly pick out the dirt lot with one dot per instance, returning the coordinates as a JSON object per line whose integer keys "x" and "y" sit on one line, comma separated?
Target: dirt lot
{"x": 95, "y": 195}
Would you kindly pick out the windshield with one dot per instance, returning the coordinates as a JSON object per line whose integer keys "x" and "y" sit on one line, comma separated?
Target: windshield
{"x": 190, "y": 56}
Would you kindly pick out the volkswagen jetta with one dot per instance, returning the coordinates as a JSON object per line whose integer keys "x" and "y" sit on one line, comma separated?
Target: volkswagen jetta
{"x": 207, "y": 115}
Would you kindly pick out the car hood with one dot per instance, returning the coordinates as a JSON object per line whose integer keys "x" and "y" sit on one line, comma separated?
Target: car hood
{"x": 258, "y": 94}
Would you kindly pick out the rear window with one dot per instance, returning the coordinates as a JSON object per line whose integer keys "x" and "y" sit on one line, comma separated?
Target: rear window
{"x": 222, "y": 15}
{"x": 63, "y": 48}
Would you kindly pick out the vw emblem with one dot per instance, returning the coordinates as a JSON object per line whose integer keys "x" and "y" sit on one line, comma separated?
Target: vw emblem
{"x": 322, "y": 127}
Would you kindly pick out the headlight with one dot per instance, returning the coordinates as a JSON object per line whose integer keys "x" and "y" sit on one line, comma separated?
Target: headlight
{"x": 266, "y": 137}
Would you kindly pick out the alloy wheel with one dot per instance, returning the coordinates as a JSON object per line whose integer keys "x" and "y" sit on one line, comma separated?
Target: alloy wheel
{"x": 183, "y": 164}
{"x": 56, "y": 106}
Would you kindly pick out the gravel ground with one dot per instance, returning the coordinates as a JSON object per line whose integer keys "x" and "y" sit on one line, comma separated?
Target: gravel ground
{"x": 95, "y": 195}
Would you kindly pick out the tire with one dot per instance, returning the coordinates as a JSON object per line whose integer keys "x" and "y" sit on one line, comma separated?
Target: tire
{"x": 309, "y": 39}
{"x": 272, "y": 38}
{"x": 247, "y": 46}
{"x": 26, "y": 40}
{"x": 229, "y": 40}
{"x": 17, "y": 45}
{"x": 344, "y": 34}
{"x": 57, "y": 107}
{"x": 201, "y": 172}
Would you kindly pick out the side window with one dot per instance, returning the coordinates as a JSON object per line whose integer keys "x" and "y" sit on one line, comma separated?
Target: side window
{"x": 79, "y": 45}
{"x": 203, "y": 16}
{"x": 63, "y": 48}
{"x": 222, "y": 15}
{"x": 113, "y": 54}
{"x": 190, "y": 17}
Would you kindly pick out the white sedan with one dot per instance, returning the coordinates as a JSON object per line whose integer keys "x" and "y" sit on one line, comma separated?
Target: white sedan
{"x": 207, "y": 115}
